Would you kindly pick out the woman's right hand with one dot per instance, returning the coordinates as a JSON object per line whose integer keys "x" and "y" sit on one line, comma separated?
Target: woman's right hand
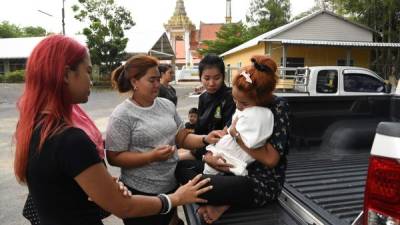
{"x": 214, "y": 136}
{"x": 189, "y": 193}
{"x": 162, "y": 153}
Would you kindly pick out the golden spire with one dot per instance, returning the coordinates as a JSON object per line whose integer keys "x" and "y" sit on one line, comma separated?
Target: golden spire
{"x": 180, "y": 18}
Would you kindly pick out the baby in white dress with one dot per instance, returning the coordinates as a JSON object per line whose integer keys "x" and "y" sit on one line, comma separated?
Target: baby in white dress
{"x": 255, "y": 125}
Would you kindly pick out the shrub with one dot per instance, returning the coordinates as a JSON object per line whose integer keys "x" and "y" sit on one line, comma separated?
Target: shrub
{"x": 17, "y": 76}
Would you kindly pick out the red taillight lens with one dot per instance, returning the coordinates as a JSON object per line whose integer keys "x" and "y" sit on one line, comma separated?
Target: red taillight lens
{"x": 382, "y": 192}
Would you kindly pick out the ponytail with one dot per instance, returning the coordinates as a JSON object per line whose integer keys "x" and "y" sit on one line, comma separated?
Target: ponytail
{"x": 119, "y": 80}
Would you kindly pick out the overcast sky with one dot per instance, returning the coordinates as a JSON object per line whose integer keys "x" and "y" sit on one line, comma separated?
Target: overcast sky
{"x": 148, "y": 14}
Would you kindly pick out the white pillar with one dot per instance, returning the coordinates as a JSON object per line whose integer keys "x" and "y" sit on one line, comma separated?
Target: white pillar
{"x": 284, "y": 55}
{"x": 270, "y": 49}
{"x": 228, "y": 18}
{"x": 173, "y": 42}
{"x": 187, "y": 47}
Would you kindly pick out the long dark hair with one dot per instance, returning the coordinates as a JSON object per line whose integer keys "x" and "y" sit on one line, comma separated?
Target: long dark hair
{"x": 212, "y": 61}
{"x": 163, "y": 68}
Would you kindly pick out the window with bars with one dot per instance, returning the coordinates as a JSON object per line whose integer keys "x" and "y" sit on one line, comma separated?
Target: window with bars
{"x": 17, "y": 64}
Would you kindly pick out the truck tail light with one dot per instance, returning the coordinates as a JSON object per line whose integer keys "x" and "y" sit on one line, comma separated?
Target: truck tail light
{"x": 382, "y": 192}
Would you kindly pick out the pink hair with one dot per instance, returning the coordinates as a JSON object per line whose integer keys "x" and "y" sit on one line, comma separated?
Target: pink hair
{"x": 81, "y": 120}
{"x": 45, "y": 101}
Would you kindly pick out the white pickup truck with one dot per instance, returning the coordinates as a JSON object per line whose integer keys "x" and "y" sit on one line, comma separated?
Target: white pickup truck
{"x": 330, "y": 81}
{"x": 334, "y": 113}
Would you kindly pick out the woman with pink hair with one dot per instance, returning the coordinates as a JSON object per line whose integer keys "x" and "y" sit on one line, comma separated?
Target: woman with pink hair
{"x": 58, "y": 160}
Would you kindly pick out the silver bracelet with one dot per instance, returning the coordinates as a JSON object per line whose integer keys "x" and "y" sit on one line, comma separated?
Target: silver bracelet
{"x": 169, "y": 204}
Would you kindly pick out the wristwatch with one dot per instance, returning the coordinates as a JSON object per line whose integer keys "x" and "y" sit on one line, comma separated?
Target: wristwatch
{"x": 204, "y": 140}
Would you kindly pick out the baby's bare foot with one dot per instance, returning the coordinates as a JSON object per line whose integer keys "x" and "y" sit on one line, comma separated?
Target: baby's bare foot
{"x": 213, "y": 213}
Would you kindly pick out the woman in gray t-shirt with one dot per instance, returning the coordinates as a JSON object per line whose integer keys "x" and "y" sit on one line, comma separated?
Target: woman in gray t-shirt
{"x": 142, "y": 134}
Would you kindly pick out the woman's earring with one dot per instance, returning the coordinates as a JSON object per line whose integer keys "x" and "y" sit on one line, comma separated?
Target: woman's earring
{"x": 134, "y": 88}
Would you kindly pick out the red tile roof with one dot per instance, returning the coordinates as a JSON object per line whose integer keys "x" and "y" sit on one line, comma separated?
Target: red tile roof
{"x": 208, "y": 31}
{"x": 194, "y": 41}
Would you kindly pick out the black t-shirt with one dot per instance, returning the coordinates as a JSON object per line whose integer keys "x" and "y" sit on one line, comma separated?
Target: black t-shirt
{"x": 169, "y": 93}
{"x": 215, "y": 110}
{"x": 50, "y": 177}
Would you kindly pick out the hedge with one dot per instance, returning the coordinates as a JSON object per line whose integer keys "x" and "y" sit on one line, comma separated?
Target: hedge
{"x": 17, "y": 76}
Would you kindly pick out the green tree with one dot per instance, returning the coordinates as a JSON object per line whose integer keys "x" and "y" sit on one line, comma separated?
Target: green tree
{"x": 34, "y": 31}
{"x": 384, "y": 17}
{"x": 265, "y": 15}
{"x": 8, "y": 30}
{"x": 229, "y": 36}
{"x": 105, "y": 34}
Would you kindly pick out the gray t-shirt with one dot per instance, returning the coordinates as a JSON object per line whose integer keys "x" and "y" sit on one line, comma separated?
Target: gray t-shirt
{"x": 141, "y": 129}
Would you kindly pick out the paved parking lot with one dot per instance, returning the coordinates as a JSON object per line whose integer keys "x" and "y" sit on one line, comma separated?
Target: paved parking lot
{"x": 100, "y": 105}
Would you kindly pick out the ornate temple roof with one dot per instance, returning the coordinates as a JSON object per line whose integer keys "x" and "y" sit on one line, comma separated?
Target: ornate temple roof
{"x": 180, "y": 18}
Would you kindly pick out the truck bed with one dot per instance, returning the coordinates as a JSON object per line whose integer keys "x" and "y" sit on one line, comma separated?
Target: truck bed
{"x": 330, "y": 186}
{"x": 271, "y": 214}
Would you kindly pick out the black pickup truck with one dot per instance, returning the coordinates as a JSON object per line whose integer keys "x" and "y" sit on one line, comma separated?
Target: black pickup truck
{"x": 331, "y": 139}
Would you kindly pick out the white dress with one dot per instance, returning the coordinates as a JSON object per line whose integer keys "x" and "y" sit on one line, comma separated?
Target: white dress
{"x": 255, "y": 125}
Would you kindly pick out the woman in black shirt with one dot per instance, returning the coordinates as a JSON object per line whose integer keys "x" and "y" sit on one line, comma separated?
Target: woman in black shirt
{"x": 216, "y": 105}
{"x": 59, "y": 162}
{"x": 266, "y": 175}
{"x": 166, "y": 90}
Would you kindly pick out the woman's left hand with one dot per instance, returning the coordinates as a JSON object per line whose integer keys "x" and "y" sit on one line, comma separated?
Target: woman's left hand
{"x": 214, "y": 136}
{"x": 122, "y": 188}
{"x": 217, "y": 162}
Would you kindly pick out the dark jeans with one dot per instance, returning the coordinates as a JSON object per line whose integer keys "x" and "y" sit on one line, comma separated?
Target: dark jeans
{"x": 227, "y": 189}
{"x": 149, "y": 220}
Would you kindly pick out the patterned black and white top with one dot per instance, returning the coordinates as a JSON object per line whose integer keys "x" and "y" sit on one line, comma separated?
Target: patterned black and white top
{"x": 269, "y": 181}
